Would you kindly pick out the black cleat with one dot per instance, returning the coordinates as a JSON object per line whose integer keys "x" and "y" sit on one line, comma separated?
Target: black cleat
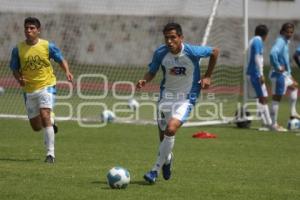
{"x": 55, "y": 128}
{"x": 49, "y": 159}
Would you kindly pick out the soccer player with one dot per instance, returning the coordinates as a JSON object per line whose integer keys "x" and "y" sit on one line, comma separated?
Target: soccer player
{"x": 297, "y": 56}
{"x": 256, "y": 79}
{"x": 31, "y": 67}
{"x": 179, "y": 90}
{"x": 281, "y": 77}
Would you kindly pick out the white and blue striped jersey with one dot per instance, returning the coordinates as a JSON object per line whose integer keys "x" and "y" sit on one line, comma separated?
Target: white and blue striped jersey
{"x": 181, "y": 72}
{"x": 255, "y": 57}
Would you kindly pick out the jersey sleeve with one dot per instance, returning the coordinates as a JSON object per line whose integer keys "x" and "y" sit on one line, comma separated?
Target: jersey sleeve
{"x": 257, "y": 47}
{"x": 201, "y": 51}
{"x": 157, "y": 59}
{"x": 15, "y": 60}
{"x": 55, "y": 53}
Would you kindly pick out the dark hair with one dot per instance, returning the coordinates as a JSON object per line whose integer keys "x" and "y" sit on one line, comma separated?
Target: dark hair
{"x": 261, "y": 30}
{"x": 32, "y": 20}
{"x": 286, "y": 26}
{"x": 173, "y": 26}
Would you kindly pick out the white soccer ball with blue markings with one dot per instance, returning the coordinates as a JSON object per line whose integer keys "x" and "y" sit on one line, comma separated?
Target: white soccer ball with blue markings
{"x": 133, "y": 104}
{"x": 108, "y": 116}
{"x": 2, "y": 90}
{"x": 293, "y": 124}
{"x": 118, "y": 178}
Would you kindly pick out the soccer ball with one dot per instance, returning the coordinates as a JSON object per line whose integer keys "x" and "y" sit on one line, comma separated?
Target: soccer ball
{"x": 242, "y": 120}
{"x": 1, "y": 90}
{"x": 118, "y": 178}
{"x": 293, "y": 124}
{"x": 133, "y": 104}
{"x": 108, "y": 116}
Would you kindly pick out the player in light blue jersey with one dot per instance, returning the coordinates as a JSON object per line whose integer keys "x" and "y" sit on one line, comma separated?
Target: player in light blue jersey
{"x": 179, "y": 90}
{"x": 280, "y": 75}
{"x": 255, "y": 75}
{"x": 297, "y": 56}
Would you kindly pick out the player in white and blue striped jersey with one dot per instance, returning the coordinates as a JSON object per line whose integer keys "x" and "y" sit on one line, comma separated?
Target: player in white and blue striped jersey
{"x": 281, "y": 77}
{"x": 255, "y": 75}
{"x": 179, "y": 89}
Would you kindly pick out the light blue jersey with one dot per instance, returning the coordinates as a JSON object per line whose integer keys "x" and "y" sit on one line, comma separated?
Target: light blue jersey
{"x": 279, "y": 56}
{"x": 181, "y": 72}
{"x": 256, "y": 48}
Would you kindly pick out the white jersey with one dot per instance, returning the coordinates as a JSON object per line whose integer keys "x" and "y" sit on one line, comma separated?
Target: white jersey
{"x": 181, "y": 72}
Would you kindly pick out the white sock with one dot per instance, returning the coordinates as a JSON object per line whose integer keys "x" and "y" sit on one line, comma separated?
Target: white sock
{"x": 274, "y": 112}
{"x": 165, "y": 150}
{"x": 49, "y": 140}
{"x": 293, "y": 101}
{"x": 265, "y": 114}
{"x": 259, "y": 114}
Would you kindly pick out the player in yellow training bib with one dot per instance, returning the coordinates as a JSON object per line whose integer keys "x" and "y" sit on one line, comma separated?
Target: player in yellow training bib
{"x": 31, "y": 67}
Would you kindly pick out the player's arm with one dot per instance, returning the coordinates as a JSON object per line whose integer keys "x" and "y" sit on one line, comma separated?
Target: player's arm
{"x": 15, "y": 66}
{"x": 274, "y": 54}
{"x": 65, "y": 67}
{"x": 153, "y": 68}
{"x": 57, "y": 56}
{"x": 147, "y": 78}
{"x": 206, "y": 79}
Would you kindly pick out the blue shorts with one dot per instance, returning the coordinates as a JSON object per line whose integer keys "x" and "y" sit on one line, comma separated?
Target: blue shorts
{"x": 255, "y": 88}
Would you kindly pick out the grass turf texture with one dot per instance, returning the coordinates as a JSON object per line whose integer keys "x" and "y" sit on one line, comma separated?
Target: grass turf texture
{"x": 239, "y": 164}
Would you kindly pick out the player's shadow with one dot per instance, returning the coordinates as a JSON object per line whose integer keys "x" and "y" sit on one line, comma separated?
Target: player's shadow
{"x": 104, "y": 185}
{"x": 18, "y": 160}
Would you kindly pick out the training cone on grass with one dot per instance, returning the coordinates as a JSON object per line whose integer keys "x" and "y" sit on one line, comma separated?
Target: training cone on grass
{"x": 204, "y": 135}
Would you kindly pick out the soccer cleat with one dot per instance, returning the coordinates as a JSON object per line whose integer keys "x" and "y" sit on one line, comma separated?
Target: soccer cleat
{"x": 49, "y": 159}
{"x": 151, "y": 176}
{"x": 278, "y": 128}
{"x": 296, "y": 115}
{"x": 166, "y": 169}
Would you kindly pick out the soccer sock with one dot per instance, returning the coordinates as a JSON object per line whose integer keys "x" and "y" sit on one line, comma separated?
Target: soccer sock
{"x": 168, "y": 160}
{"x": 49, "y": 140}
{"x": 265, "y": 114}
{"x": 274, "y": 112}
{"x": 293, "y": 101}
{"x": 260, "y": 114}
{"x": 165, "y": 150}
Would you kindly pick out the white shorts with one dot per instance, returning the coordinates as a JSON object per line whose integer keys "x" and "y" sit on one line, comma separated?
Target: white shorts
{"x": 43, "y": 98}
{"x": 167, "y": 109}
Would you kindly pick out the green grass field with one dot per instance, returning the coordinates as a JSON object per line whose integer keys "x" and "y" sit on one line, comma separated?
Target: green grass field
{"x": 240, "y": 164}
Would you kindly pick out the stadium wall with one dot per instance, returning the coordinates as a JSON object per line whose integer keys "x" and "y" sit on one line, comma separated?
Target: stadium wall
{"x": 115, "y": 40}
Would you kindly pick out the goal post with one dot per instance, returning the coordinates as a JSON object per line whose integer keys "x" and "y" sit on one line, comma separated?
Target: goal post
{"x": 108, "y": 45}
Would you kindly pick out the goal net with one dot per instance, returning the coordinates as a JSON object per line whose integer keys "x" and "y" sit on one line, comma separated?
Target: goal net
{"x": 109, "y": 44}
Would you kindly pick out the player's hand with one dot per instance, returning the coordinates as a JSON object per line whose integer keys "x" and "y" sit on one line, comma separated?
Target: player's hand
{"x": 205, "y": 82}
{"x": 281, "y": 69}
{"x": 69, "y": 76}
{"x": 262, "y": 80}
{"x": 140, "y": 84}
{"x": 22, "y": 81}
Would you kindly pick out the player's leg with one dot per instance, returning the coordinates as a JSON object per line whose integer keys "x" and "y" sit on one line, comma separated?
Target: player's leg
{"x": 32, "y": 108}
{"x": 278, "y": 89}
{"x": 293, "y": 88}
{"x": 260, "y": 91}
{"x": 46, "y": 100}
